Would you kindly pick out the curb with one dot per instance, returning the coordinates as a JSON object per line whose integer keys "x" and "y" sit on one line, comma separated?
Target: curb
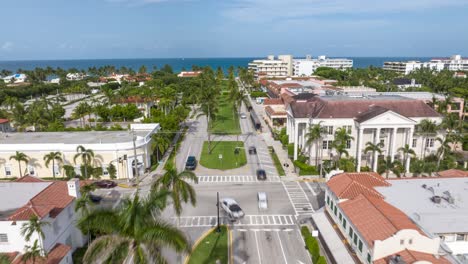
{"x": 198, "y": 242}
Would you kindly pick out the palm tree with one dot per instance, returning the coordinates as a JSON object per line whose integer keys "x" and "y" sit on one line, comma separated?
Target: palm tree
{"x": 177, "y": 184}
{"x": 53, "y": 156}
{"x": 160, "y": 144}
{"x": 33, "y": 253}
{"x": 34, "y": 225}
{"x": 133, "y": 232}
{"x": 429, "y": 168}
{"x": 20, "y": 157}
{"x": 426, "y": 128}
{"x": 407, "y": 151}
{"x": 443, "y": 149}
{"x": 86, "y": 156}
{"x": 314, "y": 136}
{"x": 341, "y": 138}
{"x": 84, "y": 203}
{"x": 374, "y": 148}
{"x": 387, "y": 165}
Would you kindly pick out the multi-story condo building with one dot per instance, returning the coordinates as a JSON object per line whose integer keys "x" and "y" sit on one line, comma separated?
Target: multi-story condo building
{"x": 52, "y": 203}
{"x": 122, "y": 149}
{"x": 390, "y": 120}
{"x": 454, "y": 63}
{"x": 271, "y": 67}
{"x": 378, "y": 231}
{"x": 307, "y": 66}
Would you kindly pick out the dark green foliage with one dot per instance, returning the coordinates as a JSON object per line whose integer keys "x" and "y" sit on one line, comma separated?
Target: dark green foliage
{"x": 256, "y": 94}
{"x": 312, "y": 244}
{"x": 305, "y": 169}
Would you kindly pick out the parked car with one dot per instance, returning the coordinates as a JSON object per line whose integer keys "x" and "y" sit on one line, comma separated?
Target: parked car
{"x": 105, "y": 184}
{"x": 243, "y": 116}
{"x": 232, "y": 208}
{"x": 191, "y": 163}
{"x": 252, "y": 150}
{"x": 262, "y": 201}
{"x": 261, "y": 175}
{"x": 95, "y": 198}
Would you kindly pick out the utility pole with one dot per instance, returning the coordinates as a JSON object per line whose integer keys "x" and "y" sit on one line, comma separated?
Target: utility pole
{"x": 218, "y": 229}
{"x": 135, "y": 159}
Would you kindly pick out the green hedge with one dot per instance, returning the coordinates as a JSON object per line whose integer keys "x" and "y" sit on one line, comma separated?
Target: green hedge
{"x": 321, "y": 260}
{"x": 311, "y": 244}
{"x": 278, "y": 165}
{"x": 305, "y": 169}
{"x": 291, "y": 149}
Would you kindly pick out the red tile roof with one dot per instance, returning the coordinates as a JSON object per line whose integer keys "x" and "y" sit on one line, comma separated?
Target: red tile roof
{"x": 50, "y": 201}
{"x": 3, "y": 120}
{"x": 410, "y": 256}
{"x": 272, "y": 111}
{"x": 374, "y": 218}
{"x": 53, "y": 257}
{"x": 351, "y": 185}
{"x": 453, "y": 173}
{"x": 28, "y": 178}
{"x": 272, "y": 101}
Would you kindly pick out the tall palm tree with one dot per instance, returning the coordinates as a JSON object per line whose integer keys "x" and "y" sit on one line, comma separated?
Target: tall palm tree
{"x": 160, "y": 144}
{"x": 132, "y": 233}
{"x": 84, "y": 204}
{"x": 443, "y": 150}
{"x": 314, "y": 136}
{"x": 387, "y": 165}
{"x": 53, "y": 156}
{"x": 20, "y": 157}
{"x": 341, "y": 138}
{"x": 407, "y": 151}
{"x": 34, "y": 225}
{"x": 374, "y": 148}
{"x": 33, "y": 253}
{"x": 86, "y": 156}
{"x": 176, "y": 183}
{"x": 426, "y": 128}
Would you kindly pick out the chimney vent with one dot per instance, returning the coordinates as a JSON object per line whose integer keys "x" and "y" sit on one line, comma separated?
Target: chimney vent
{"x": 74, "y": 188}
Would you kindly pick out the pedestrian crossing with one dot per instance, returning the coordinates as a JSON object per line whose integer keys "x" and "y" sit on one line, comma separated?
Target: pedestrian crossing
{"x": 235, "y": 179}
{"x": 248, "y": 220}
{"x": 298, "y": 198}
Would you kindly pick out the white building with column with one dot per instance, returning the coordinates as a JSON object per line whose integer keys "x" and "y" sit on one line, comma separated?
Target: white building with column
{"x": 390, "y": 120}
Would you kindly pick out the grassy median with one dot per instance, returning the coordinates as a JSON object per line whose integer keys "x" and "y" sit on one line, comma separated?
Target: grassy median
{"x": 211, "y": 248}
{"x": 278, "y": 165}
{"x": 227, "y": 119}
{"x": 229, "y": 159}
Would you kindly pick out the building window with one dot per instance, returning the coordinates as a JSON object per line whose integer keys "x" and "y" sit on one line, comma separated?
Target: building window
{"x": 410, "y": 241}
{"x": 344, "y": 223}
{"x": 415, "y": 142}
{"x": 335, "y": 211}
{"x": 460, "y": 237}
{"x": 430, "y": 143}
{"x": 31, "y": 170}
{"x": 355, "y": 239}
{"x": 368, "y": 258}
{"x": 351, "y": 232}
{"x": 340, "y": 217}
{"x": 382, "y": 142}
{"x": 329, "y": 130}
{"x": 360, "y": 246}
{"x": 57, "y": 170}
{"x": 402, "y": 241}
{"x": 348, "y": 144}
{"x": 328, "y": 200}
{"x": 327, "y": 144}
{"x": 3, "y": 238}
{"x": 7, "y": 171}
{"x": 104, "y": 171}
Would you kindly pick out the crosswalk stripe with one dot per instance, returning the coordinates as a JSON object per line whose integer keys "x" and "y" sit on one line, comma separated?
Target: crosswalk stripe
{"x": 249, "y": 220}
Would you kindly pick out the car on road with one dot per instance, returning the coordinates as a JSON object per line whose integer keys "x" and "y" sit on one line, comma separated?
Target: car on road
{"x": 261, "y": 175}
{"x": 262, "y": 200}
{"x": 232, "y": 208}
{"x": 191, "y": 163}
{"x": 252, "y": 150}
{"x": 105, "y": 184}
{"x": 243, "y": 116}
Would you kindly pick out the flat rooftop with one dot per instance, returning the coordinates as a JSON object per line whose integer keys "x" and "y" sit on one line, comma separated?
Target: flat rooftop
{"x": 363, "y": 98}
{"x": 17, "y": 194}
{"x": 300, "y": 82}
{"x": 413, "y": 197}
{"x": 85, "y": 137}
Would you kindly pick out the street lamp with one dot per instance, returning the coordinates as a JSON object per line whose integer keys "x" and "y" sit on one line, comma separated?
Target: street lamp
{"x": 135, "y": 160}
{"x": 218, "y": 229}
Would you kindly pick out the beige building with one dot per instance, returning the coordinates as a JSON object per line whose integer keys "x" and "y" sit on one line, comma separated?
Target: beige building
{"x": 109, "y": 147}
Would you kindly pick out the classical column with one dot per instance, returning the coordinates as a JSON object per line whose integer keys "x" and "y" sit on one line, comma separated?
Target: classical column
{"x": 376, "y": 154}
{"x": 288, "y": 129}
{"x": 392, "y": 150}
{"x": 410, "y": 144}
{"x": 296, "y": 139}
{"x": 359, "y": 148}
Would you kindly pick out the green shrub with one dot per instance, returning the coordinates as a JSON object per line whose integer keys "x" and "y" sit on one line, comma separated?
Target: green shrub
{"x": 321, "y": 260}
{"x": 305, "y": 169}
{"x": 284, "y": 139}
{"x": 256, "y": 94}
{"x": 311, "y": 244}
{"x": 291, "y": 149}
{"x": 365, "y": 169}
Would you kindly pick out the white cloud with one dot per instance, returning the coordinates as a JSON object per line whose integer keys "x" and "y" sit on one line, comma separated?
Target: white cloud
{"x": 264, "y": 10}
{"x": 7, "y": 46}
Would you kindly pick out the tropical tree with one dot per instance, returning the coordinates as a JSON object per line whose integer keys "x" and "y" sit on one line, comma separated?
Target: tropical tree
{"x": 429, "y": 168}
{"x": 443, "y": 150}
{"x": 84, "y": 204}
{"x": 34, "y": 226}
{"x": 176, "y": 183}
{"x": 407, "y": 151}
{"x": 341, "y": 140}
{"x": 314, "y": 136}
{"x": 426, "y": 128}
{"x": 20, "y": 157}
{"x": 160, "y": 143}
{"x": 374, "y": 148}
{"x": 132, "y": 232}
{"x": 53, "y": 156}
{"x": 33, "y": 253}
{"x": 387, "y": 165}
{"x": 208, "y": 108}
{"x": 86, "y": 156}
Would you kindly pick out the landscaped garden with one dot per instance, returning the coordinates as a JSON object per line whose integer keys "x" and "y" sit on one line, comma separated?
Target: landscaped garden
{"x": 211, "y": 248}
{"x": 229, "y": 159}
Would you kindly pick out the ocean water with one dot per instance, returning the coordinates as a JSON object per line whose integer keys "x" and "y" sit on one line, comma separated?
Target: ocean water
{"x": 177, "y": 64}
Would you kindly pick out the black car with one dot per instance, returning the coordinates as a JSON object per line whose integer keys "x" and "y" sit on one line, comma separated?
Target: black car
{"x": 105, "y": 184}
{"x": 261, "y": 175}
{"x": 252, "y": 150}
{"x": 191, "y": 163}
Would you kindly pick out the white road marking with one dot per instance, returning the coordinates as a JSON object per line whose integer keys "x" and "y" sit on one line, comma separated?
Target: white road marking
{"x": 248, "y": 220}
{"x": 282, "y": 249}
{"x": 258, "y": 248}
{"x": 236, "y": 179}
{"x": 298, "y": 198}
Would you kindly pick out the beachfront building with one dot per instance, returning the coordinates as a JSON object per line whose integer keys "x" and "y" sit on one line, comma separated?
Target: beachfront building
{"x": 377, "y": 230}
{"x": 15, "y": 78}
{"x": 271, "y": 67}
{"x": 189, "y": 74}
{"x": 307, "y": 66}
{"x": 143, "y": 104}
{"x": 5, "y": 125}
{"x": 405, "y": 83}
{"x": 390, "y": 120}
{"x": 75, "y": 76}
{"x": 454, "y": 63}
{"x": 120, "y": 148}
{"x": 51, "y": 202}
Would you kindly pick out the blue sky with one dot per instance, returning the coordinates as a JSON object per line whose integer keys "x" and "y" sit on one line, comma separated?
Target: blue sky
{"x": 82, "y": 29}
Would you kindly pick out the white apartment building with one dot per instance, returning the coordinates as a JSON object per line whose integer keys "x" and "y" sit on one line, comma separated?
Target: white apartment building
{"x": 454, "y": 63}
{"x": 15, "y": 78}
{"x": 51, "y": 202}
{"x": 390, "y": 120}
{"x": 377, "y": 231}
{"x": 307, "y": 66}
{"x": 109, "y": 147}
{"x": 271, "y": 67}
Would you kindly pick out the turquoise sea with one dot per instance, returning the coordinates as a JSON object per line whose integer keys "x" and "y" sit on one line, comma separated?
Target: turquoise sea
{"x": 177, "y": 63}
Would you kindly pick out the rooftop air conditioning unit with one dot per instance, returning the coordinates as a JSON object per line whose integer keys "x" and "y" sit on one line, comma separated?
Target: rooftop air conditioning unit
{"x": 397, "y": 259}
{"x": 436, "y": 199}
